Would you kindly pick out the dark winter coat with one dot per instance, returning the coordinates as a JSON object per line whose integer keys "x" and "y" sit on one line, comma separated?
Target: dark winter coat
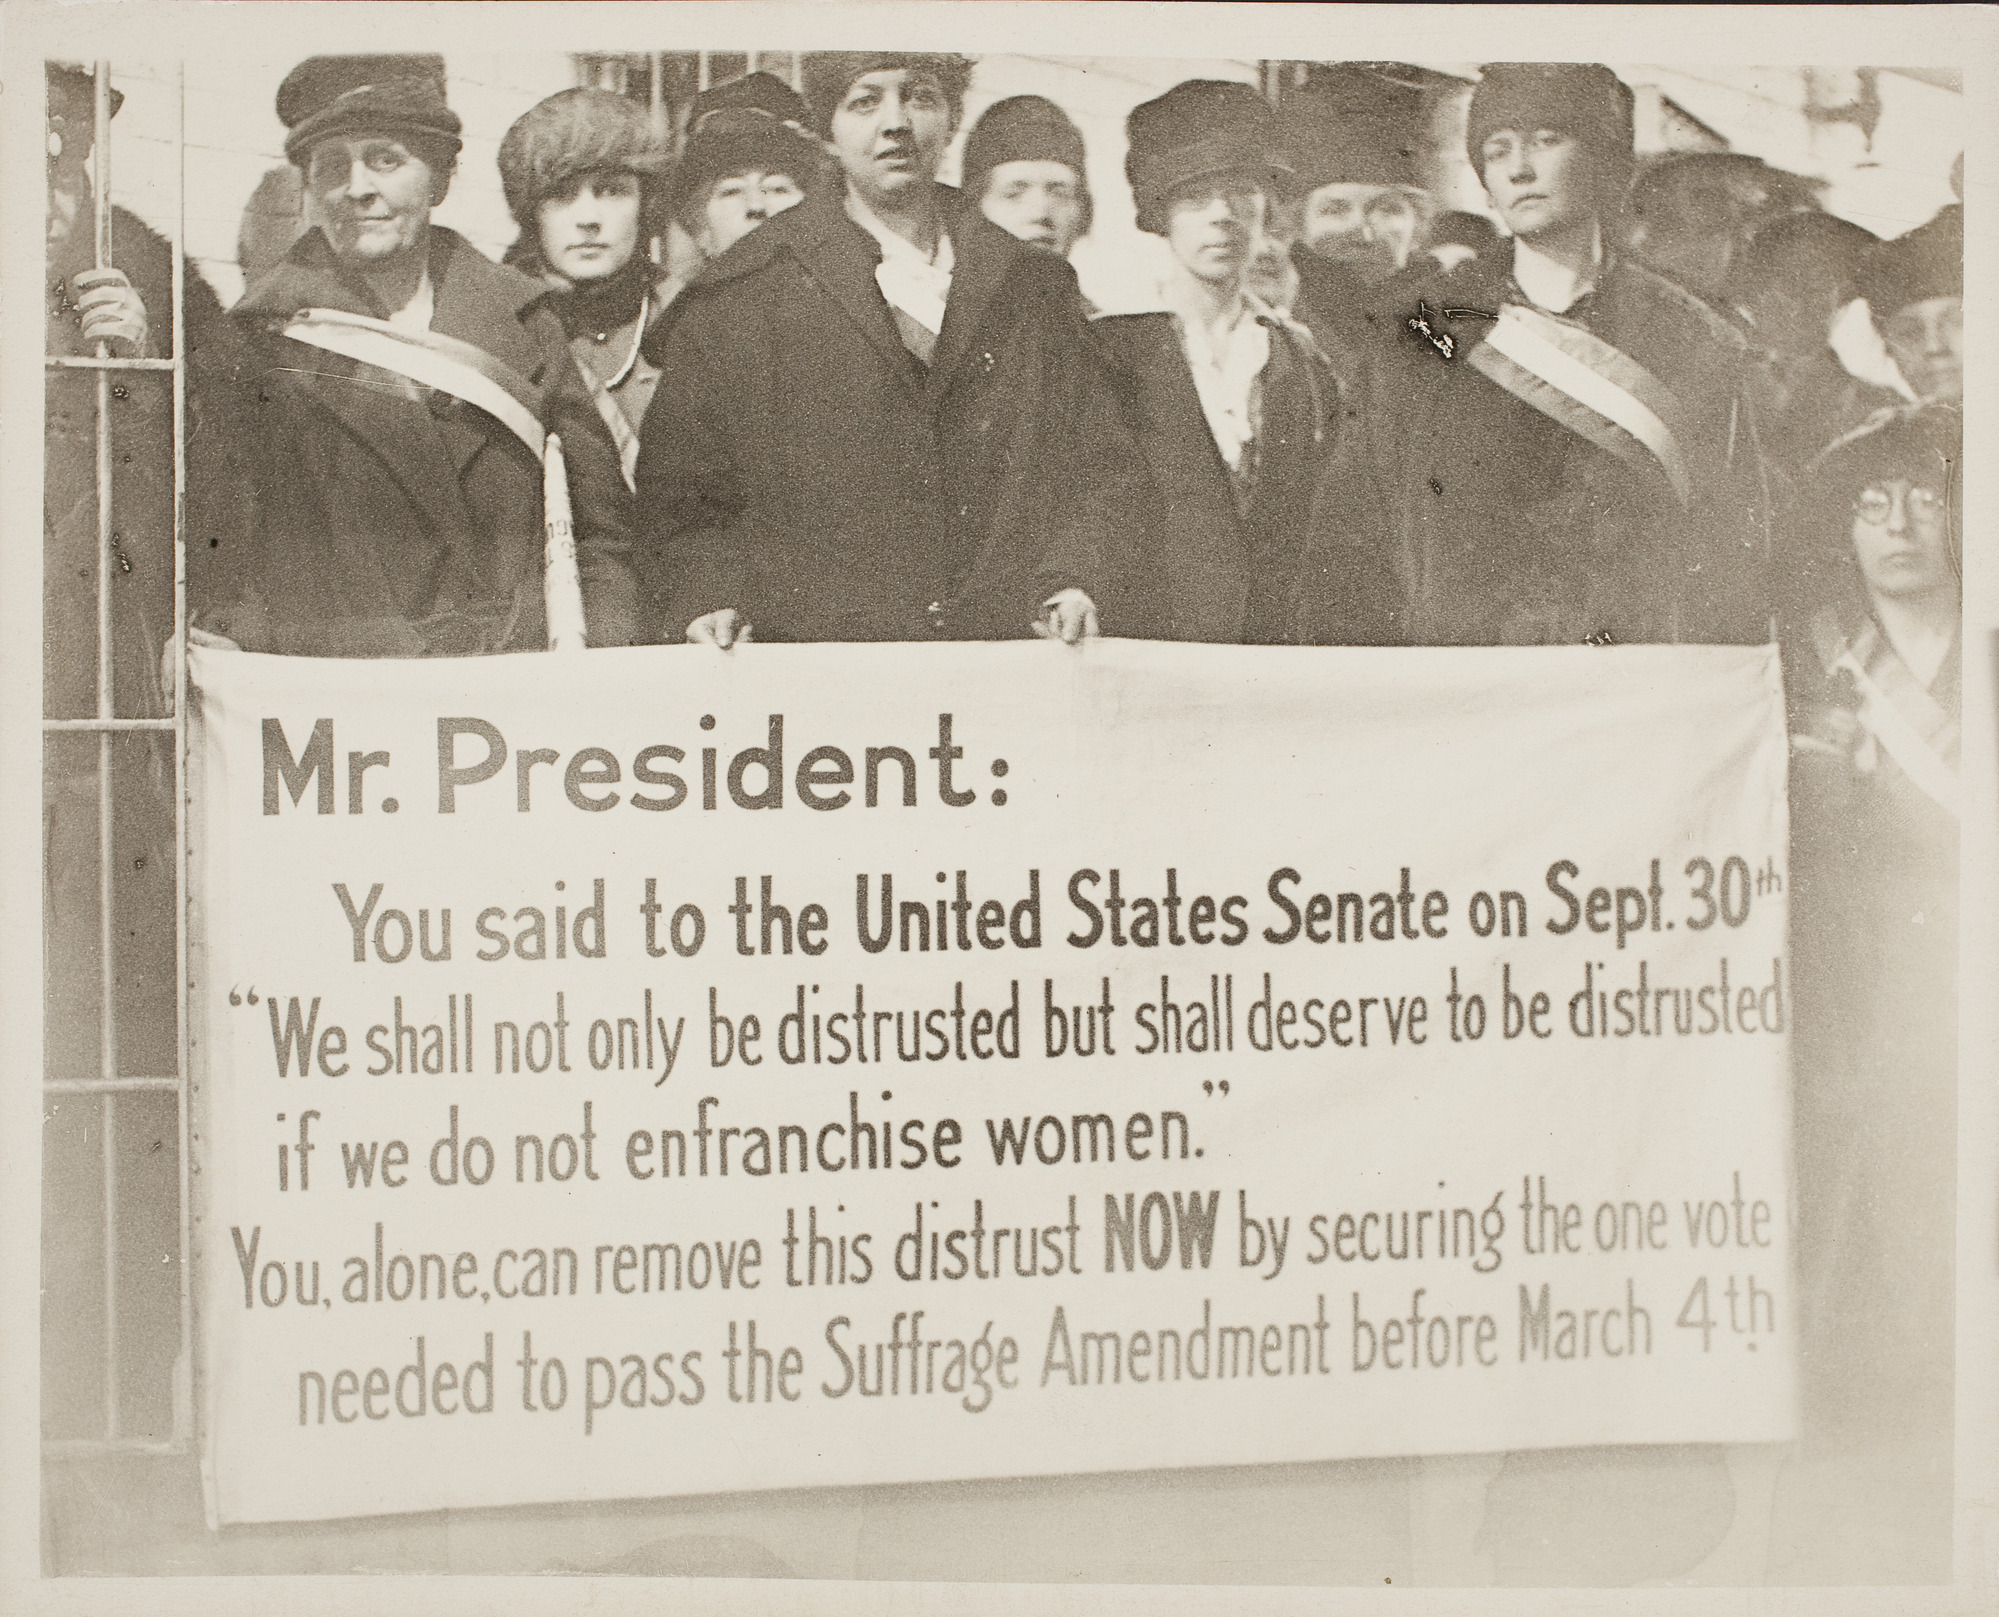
{"x": 1211, "y": 571}
{"x": 142, "y": 478}
{"x": 394, "y": 520}
{"x": 140, "y": 577}
{"x": 798, "y": 463}
{"x": 1505, "y": 527}
{"x": 1347, "y": 318}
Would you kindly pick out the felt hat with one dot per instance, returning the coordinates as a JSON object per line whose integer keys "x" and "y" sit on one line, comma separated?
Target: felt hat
{"x": 1927, "y": 262}
{"x": 344, "y": 95}
{"x": 751, "y": 124}
{"x": 1352, "y": 126}
{"x": 1196, "y": 130}
{"x": 758, "y": 91}
{"x": 1021, "y": 129}
{"x": 827, "y": 75}
{"x": 1581, "y": 99}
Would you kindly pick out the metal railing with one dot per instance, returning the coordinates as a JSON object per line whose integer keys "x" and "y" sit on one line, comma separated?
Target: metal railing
{"x": 109, "y": 1085}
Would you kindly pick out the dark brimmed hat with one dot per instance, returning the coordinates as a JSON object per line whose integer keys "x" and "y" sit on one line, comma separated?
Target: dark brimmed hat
{"x": 343, "y": 95}
{"x": 827, "y": 74}
{"x": 1924, "y": 440}
{"x": 1352, "y": 126}
{"x": 1197, "y": 129}
{"x": 1582, "y": 99}
{"x": 742, "y": 140}
{"x": 1927, "y": 262}
{"x": 758, "y": 91}
{"x": 751, "y": 124}
{"x": 573, "y": 133}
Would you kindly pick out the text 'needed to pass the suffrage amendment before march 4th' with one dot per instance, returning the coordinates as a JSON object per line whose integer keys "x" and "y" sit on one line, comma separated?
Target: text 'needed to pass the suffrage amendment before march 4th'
{"x": 870, "y": 1064}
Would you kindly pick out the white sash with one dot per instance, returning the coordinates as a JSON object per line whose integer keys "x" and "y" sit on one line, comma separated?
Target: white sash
{"x": 429, "y": 359}
{"x": 1549, "y": 352}
{"x": 421, "y": 358}
{"x": 1887, "y": 723}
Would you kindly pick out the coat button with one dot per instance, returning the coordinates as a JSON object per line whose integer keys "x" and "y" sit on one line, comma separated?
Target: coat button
{"x": 935, "y": 612}
{"x": 987, "y": 362}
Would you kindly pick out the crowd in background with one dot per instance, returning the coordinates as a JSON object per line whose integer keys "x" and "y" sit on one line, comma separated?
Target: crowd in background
{"x": 805, "y": 392}
{"x": 1337, "y": 426}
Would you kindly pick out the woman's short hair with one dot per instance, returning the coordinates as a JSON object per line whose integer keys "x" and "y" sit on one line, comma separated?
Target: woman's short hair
{"x": 828, "y": 75}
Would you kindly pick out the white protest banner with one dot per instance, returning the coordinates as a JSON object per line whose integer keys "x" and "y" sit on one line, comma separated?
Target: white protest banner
{"x": 661, "y": 1071}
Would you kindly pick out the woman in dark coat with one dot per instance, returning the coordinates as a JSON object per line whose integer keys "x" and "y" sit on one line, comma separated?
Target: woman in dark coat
{"x": 1560, "y": 447}
{"x": 395, "y": 518}
{"x": 1231, "y": 404}
{"x": 879, "y": 417}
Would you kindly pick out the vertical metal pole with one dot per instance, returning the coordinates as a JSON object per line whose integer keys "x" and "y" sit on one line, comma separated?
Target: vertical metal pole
{"x": 661, "y": 119}
{"x": 701, "y": 70}
{"x": 750, "y": 61}
{"x": 798, "y": 71}
{"x": 106, "y": 889}
{"x": 183, "y": 1407}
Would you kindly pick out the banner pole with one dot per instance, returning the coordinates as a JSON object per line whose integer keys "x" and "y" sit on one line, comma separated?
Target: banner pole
{"x": 562, "y": 587}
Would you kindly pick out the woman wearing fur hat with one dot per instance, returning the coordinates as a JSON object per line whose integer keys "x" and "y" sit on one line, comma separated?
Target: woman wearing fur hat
{"x": 1232, "y": 405}
{"x": 1559, "y": 447}
{"x": 879, "y": 417}
{"x": 582, "y": 172}
{"x": 401, "y": 387}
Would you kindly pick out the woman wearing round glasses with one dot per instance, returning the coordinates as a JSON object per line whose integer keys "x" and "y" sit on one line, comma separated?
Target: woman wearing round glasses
{"x": 1884, "y": 622}
{"x": 1873, "y": 896}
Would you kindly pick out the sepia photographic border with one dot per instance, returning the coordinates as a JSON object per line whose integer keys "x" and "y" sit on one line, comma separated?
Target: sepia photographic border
{"x": 1964, "y": 38}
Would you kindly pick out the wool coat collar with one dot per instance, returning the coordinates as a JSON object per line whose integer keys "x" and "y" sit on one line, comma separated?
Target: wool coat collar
{"x": 477, "y": 301}
{"x": 841, "y": 257}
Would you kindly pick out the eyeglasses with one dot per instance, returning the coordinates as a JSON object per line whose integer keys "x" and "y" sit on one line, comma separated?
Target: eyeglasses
{"x": 1874, "y": 504}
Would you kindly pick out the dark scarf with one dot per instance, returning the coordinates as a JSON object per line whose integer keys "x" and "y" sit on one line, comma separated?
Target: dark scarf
{"x": 590, "y": 307}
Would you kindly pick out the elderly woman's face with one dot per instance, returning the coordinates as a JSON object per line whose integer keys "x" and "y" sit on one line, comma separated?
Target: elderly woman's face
{"x": 372, "y": 196}
{"x": 1901, "y": 537}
